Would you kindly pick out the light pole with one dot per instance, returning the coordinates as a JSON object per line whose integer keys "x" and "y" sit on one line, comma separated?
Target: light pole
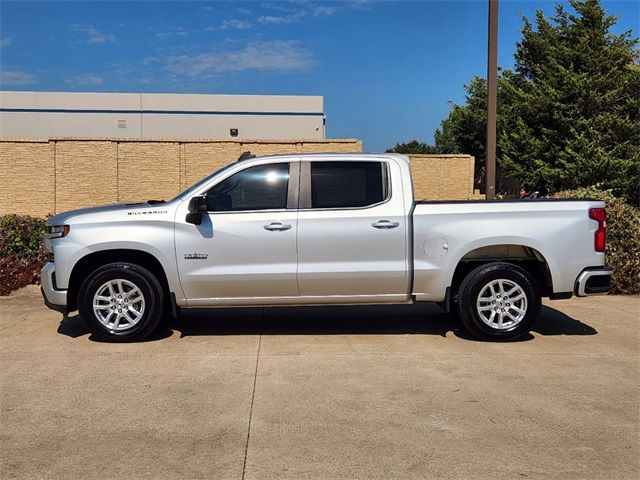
{"x": 492, "y": 100}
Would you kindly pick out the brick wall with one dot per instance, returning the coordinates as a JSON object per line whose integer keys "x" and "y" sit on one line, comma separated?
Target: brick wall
{"x": 41, "y": 177}
{"x": 443, "y": 177}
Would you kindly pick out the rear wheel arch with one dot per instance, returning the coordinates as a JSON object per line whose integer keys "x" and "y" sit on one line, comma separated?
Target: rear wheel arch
{"x": 523, "y": 256}
{"x": 93, "y": 261}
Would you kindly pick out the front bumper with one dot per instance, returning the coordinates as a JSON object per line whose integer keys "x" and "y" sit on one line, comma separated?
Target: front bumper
{"x": 53, "y": 298}
{"x": 594, "y": 281}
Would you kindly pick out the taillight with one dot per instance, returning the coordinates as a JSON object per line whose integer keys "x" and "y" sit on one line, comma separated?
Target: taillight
{"x": 600, "y": 215}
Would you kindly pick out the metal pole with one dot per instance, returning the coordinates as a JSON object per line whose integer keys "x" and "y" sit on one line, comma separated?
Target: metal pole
{"x": 492, "y": 99}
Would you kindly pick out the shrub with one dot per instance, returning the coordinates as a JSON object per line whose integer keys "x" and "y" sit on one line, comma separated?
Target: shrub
{"x": 623, "y": 238}
{"x": 22, "y": 252}
{"x": 21, "y": 235}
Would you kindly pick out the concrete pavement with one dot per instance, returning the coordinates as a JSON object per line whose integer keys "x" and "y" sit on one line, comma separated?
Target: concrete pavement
{"x": 322, "y": 393}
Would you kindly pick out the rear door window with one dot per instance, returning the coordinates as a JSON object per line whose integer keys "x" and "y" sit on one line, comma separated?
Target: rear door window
{"x": 348, "y": 184}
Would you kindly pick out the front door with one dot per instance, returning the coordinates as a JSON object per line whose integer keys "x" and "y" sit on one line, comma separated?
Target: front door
{"x": 244, "y": 252}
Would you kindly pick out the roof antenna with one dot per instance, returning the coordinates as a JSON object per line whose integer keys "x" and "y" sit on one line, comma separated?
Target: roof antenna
{"x": 245, "y": 156}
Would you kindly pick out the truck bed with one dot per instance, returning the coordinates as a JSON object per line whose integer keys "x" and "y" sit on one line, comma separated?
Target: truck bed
{"x": 558, "y": 231}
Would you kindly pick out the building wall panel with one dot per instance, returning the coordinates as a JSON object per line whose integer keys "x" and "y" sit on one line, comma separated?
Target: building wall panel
{"x": 85, "y": 174}
{"x": 27, "y": 178}
{"x": 148, "y": 170}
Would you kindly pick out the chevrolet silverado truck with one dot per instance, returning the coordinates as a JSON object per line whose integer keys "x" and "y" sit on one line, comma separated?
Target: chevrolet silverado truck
{"x": 321, "y": 229}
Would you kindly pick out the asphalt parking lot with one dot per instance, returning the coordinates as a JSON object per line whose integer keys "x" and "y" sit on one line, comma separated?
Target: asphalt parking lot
{"x": 359, "y": 392}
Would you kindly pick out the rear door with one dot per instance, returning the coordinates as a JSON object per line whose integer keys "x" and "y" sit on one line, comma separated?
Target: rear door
{"x": 352, "y": 231}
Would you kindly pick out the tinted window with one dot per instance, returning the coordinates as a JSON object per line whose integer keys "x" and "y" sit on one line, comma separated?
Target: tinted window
{"x": 347, "y": 184}
{"x": 263, "y": 187}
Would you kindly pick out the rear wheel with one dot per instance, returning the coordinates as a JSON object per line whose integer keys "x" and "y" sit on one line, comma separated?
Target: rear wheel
{"x": 498, "y": 301}
{"x": 121, "y": 302}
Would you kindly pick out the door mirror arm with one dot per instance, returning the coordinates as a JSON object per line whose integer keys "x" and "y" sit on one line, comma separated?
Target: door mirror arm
{"x": 197, "y": 206}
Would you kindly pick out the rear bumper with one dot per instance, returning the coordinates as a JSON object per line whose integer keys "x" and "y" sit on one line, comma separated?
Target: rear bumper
{"x": 53, "y": 298}
{"x": 594, "y": 281}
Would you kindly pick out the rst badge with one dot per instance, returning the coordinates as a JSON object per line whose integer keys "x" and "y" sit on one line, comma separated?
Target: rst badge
{"x": 196, "y": 256}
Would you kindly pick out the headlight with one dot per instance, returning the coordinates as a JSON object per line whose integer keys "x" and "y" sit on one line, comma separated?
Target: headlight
{"x": 57, "y": 231}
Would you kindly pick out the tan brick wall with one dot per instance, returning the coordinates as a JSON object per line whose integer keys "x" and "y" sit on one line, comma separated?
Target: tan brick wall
{"x": 443, "y": 177}
{"x": 148, "y": 170}
{"x": 203, "y": 158}
{"x": 49, "y": 176}
{"x": 318, "y": 147}
{"x": 86, "y": 174}
{"x": 27, "y": 178}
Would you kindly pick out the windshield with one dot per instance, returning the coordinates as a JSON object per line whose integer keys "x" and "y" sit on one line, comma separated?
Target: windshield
{"x": 196, "y": 185}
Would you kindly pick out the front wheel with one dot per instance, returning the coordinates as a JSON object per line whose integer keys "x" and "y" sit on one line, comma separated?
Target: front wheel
{"x": 121, "y": 302}
{"x": 498, "y": 301}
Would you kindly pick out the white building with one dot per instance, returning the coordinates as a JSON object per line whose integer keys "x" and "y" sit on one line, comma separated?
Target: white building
{"x": 160, "y": 115}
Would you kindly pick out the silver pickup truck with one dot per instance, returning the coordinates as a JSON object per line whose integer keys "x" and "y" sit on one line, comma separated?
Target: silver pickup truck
{"x": 321, "y": 229}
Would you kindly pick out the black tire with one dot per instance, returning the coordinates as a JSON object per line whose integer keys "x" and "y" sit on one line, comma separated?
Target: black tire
{"x": 474, "y": 285}
{"x": 150, "y": 290}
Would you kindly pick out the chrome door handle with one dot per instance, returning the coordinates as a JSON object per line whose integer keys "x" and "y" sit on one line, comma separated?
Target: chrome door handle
{"x": 277, "y": 226}
{"x": 385, "y": 224}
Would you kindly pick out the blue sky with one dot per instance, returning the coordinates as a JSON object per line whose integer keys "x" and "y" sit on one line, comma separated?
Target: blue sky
{"x": 387, "y": 70}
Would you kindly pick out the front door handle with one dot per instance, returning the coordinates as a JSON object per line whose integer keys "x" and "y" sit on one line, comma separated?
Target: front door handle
{"x": 277, "y": 226}
{"x": 385, "y": 224}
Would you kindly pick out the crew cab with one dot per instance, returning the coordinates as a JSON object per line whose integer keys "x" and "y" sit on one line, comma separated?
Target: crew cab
{"x": 321, "y": 229}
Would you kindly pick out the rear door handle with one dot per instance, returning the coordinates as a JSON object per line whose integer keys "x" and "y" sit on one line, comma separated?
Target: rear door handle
{"x": 277, "y": 226}
{"x": 385, "y": 224}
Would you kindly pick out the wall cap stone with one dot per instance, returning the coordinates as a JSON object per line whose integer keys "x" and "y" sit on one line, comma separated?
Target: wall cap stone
{"x": 439, "y": 155}
{"x": 181, "y": 140}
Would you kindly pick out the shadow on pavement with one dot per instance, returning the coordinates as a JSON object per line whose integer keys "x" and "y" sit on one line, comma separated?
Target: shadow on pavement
{"x": 329, "y": 320}
{"x": 554, "y": 322}
{"x": 419, "y": 319}
{"x": 72, "y": 327}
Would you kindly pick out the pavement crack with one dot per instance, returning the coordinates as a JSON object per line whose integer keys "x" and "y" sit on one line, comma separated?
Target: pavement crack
{"x": 253, "y": 396}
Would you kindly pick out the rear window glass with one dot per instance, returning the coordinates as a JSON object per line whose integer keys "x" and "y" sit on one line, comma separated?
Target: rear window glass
{"x": 347, "y": 184}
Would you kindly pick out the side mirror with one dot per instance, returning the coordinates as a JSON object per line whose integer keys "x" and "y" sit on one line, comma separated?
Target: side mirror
{"x": 197, "y": 206}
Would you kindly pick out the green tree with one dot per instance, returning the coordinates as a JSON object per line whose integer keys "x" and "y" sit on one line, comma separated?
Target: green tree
{"x": 569, "y": 112}
{"x": 464, "y": 130}
{"x": 414, "y": 147}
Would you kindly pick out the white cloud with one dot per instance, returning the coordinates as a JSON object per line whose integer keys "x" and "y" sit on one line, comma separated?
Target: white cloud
{"x": 93, "y": 35}
{"x": 173, "y": 32}
{"x": 281, "y": 19}
{"x": 86, "y": 79}
{"x": 269, "y": 56}
{"x": 321, "y": 11}
{"x": 149, "y": 60}
{"x": 295, "y": 15}
{"x": 6, "y": 41}
{"x": 16, "y": 77}
{"x": 359, "y": 4}
{"x": 235, "y": 24}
